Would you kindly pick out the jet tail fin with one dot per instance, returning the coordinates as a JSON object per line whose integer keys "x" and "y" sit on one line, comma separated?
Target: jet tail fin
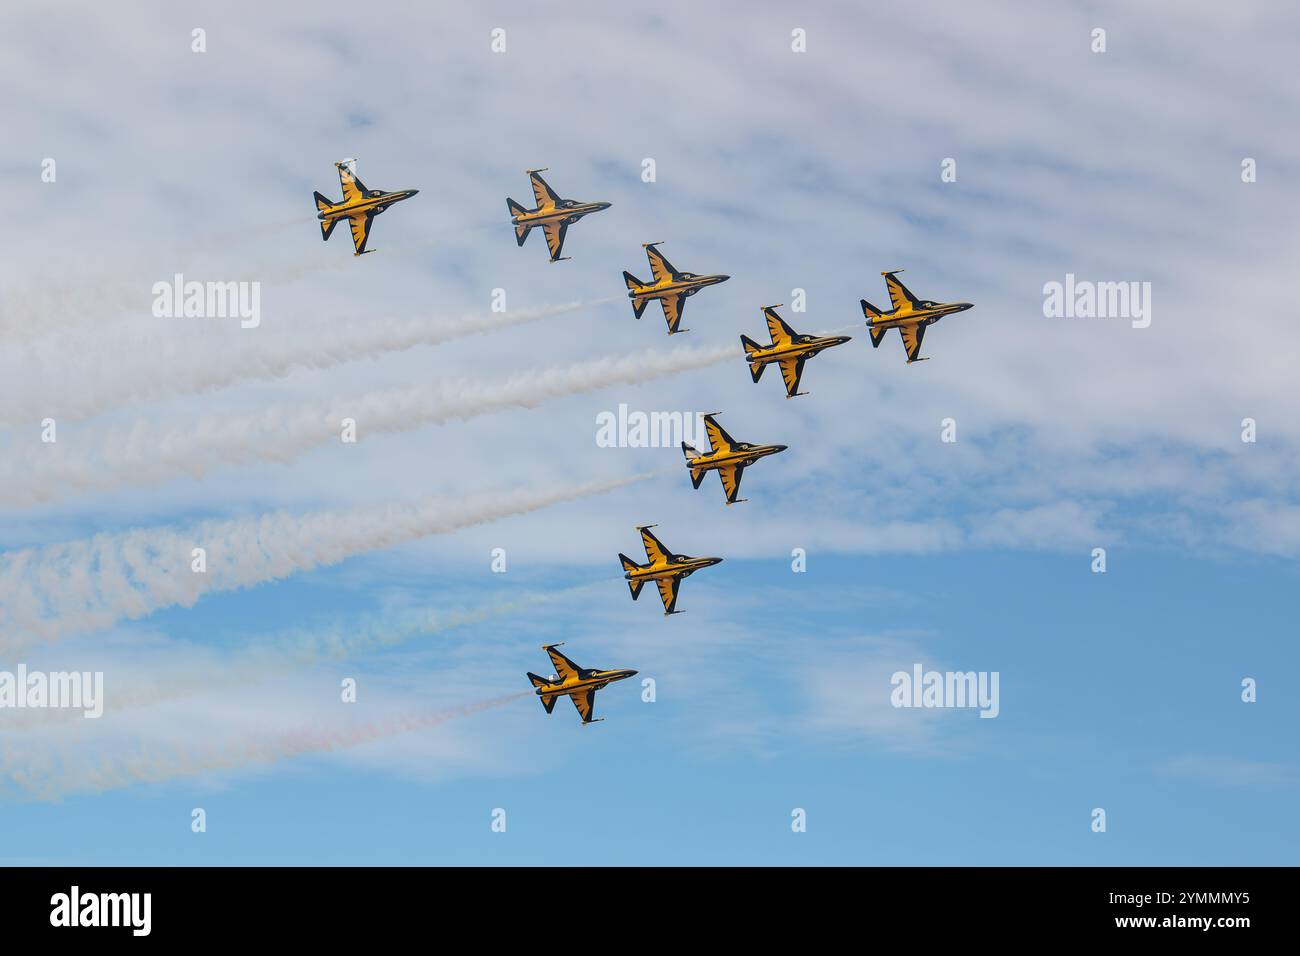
{"x": 326, "y": 225}
{"x": 548, "y": 700}
{"x": 871, "y": 312}
{"x": 638, "y": 303}
{"x": 752, "y": 348}
{"x": 521, "y": 232}
{"x": 630, "y": 565}
{"x": 697, "y": 474}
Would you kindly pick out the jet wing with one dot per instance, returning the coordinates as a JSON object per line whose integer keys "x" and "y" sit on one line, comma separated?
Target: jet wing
{"x": 668, "y": 593}
{"x": 564, "y": 668}
{"x": 660, "y": 267}
{"x": 718, "y": 436}
{"x": 898, "y": 294}
{"x": 730, "y": 476}
{"x": 586, "y": 704}
{"x": 361, "y": 229}
{"x": 791, "y": 371}
{"x": 781, "y": 333}
{"x": 555, "y": 237}
{"x": 654, "y": 549}
{"x": 544, "y": 194}
{"x": 674, "y": 306}
{"x": 354, "y": 189}
{"x": 912, "y": 336}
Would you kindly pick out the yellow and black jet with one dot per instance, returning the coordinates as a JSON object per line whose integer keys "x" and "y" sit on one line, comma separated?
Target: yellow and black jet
{"x": 662, "y": 567}
{"x": 667, "y": 285}
{"x": 728, "y": 457}
{"x": 579, "y": 684}
{"x": 788, "y": 349}
{"x": 553, "y": 214}
{"x": 910, "y": 316}
{"x": 359, "y": 207}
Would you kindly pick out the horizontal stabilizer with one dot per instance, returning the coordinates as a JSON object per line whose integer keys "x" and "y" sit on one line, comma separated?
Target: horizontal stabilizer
{"x": 548, "y": 700}
{"x": 521, "y": 232}
{"x": 630, "y": 565}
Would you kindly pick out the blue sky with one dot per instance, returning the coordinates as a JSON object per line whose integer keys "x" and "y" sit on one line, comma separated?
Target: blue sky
{"x": 812, "y": 171}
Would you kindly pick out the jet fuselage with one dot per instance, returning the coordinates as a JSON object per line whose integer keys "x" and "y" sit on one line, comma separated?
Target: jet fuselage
{"x": 686, "y": 284}
{"x": 805, "y": 346}
{"x": 376, "y": 200}
{"x": 560, "y": 213}
{"x": 585, "y": 680}
{"x": 678, "y": 566}
{"x": 926, "y": 313}
{"x": 741, "y": 453}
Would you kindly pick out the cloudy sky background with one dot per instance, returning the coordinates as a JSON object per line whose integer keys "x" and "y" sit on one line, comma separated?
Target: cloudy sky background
{"x": 814, "y": 171}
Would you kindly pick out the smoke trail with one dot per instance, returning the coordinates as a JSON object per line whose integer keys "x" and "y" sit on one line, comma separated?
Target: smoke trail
{"x": 28, "y": 314}
{"x": 50, "y": 591}
{"x": 278, "y": 653}
{"x": 54, "y": 378}
{"x": 56, "y": 303}
{"x": 139, "y": 455}
{"x": 107, "y": 773}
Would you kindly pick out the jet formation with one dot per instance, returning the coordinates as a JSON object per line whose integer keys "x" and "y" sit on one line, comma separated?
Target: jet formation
{"x": 579, "y": 684}
{"x": 359, "y": 207}
{"x": 788, "y": 350}
{"x": 667, "y": 285}
{"x": 553, "y": 215}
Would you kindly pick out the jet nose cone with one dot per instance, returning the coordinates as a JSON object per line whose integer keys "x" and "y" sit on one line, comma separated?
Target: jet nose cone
{"x": 777, "y": 449}
{"x": 413, "y": 192}
{"x": 630, "y": 673}
{"x": 963, "y": 306}
{"x": 713, "y": 561}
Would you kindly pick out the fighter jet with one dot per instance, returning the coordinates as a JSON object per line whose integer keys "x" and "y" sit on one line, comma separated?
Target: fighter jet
{"x": 663, "y": 567}
{"x": 910, "y": 316}
{"x": 553, "y": 214}
{"x": 788, "y": 349}
{"x": 667, "y": 285}
{"x": 577, "y": 683}
{"x": 359, "y": 207}
{"x": 726, "y": 456}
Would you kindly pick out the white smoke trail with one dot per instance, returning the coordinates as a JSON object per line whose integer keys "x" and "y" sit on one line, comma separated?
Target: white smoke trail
{"x": 54, "y": 590}
{"x": 90, "y": 293}
{"x": 26, "y": 314}
{"x": 37, "y": 776}
{"x": 184, "y": 670}
{"x": 61, "y": 379}
{"x": 141, "y": 455}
